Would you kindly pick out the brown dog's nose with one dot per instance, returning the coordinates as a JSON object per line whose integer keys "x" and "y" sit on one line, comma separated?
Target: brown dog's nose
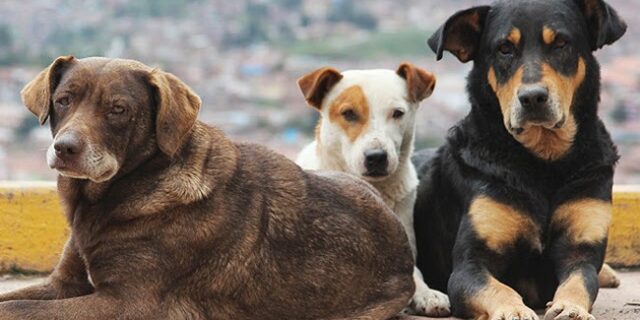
{"x": 533, "y": 98}
{"x": 68, "y": 146}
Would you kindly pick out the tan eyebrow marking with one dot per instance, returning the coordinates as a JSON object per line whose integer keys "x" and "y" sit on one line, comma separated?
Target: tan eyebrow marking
{"x": 548, "y": 35}
{"x": 514, "y": 36}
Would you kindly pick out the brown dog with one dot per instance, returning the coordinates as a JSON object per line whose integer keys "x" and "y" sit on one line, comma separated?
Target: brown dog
{"x": 171, "y": 220}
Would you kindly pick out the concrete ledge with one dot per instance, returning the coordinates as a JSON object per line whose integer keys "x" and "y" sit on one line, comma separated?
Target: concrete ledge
{"x": 33, "y": 229}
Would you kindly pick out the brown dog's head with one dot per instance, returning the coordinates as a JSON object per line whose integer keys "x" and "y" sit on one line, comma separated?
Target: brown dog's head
{"x": 109, "y": 114}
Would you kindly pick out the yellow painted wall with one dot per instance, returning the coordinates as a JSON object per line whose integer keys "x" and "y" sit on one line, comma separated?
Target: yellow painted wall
{"x": 624, "y": 235}
{"x": 33, "y": 229}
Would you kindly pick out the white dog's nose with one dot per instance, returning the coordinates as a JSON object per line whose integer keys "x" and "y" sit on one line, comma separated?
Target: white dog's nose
{"x": 376, "y": 162}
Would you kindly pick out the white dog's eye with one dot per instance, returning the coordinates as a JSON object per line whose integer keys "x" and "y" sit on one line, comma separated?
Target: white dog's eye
{"x": 350, "y": 115}
{"x": 397, "y": 114}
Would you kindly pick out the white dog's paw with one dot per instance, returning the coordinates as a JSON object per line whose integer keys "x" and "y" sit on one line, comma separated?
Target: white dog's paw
{"x": 428, "y": 302}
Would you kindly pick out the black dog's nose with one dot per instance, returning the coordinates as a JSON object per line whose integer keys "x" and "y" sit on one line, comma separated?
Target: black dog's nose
{"x": 376, "y": 162}
{"x": 533, "y": 98}
{"x": 67, "y": 146}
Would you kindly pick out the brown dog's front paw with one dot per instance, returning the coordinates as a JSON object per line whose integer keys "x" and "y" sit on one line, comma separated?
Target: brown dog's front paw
{"x": 516, "y": 312}
{"x": 566, "y": 311}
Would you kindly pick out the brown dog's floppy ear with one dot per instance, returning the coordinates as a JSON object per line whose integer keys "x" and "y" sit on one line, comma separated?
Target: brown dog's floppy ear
{"x": 461, "y": 34}
{"x": 604, "y": 24}
{"x": 178, "y": 108}
{"x": 36, "y": 95}
{"x": 316, "y": 85}
{"x": 420, "y": 83}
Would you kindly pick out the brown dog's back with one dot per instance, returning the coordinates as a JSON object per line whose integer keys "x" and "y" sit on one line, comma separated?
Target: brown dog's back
{"x": 317, "y": 245}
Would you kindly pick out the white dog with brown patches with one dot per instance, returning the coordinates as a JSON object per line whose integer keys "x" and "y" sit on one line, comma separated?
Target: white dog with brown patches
{"x": 367, "y": 129}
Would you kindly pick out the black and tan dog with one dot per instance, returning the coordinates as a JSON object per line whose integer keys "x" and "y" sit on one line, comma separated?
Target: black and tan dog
{"x": 171, "y": 220}
{"x": 516, "y": 206}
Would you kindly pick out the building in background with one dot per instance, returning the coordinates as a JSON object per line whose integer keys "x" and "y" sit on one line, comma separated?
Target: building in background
{"x": 244, "y": 56}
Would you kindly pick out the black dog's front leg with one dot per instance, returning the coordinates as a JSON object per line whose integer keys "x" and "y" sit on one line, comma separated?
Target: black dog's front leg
{"x": 581, "y": 228}
{"x": 69, "y": 279}
{"x": 481, "y": 254}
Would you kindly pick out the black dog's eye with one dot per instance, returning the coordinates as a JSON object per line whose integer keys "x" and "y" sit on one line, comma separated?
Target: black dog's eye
{"x": 350, "y": 115}
{"x": 560, "y": 43}
{"x": 506, "y": 48}
{"x": 63, "y": 102}
{"x": 397, "y": 114}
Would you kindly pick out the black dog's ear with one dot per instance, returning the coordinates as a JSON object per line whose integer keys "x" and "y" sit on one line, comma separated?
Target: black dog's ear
{"x": 178, "y": 108}
{"x": 36, "y": 95}
{"x": 604, "y": 23}
{"x": 316, "y": 84}
{"x": 461, "y": 34}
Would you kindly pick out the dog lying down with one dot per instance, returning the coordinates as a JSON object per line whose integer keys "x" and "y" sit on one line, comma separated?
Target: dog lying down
{"x": 171, "y": 220}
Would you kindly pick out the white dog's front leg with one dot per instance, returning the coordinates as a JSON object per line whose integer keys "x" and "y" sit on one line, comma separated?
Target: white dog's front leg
{"x": 426, "y": 301}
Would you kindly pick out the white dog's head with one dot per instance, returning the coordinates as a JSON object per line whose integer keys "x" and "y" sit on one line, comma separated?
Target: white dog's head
{"x": 368, "y": 116}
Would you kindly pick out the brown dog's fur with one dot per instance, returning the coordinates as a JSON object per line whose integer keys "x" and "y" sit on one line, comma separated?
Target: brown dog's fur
{"x": 194, "y": 226}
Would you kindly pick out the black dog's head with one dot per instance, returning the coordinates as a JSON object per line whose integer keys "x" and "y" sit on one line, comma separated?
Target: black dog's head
{"x": 534, "y": 56}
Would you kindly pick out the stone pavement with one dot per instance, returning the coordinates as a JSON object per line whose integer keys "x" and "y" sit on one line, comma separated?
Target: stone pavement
{"x": 622, "y": 303}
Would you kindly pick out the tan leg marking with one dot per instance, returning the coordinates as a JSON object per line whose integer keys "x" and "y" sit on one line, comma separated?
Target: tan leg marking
{"x": 497, "y": 301}
{"x": 354, "y": 99}
{"x": 500, "y": 225}
{"x": 585, "y": 221}
{"x": 571, "y": 300}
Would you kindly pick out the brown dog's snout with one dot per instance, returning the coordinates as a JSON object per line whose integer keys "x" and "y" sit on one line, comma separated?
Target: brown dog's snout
{"x": 68, "y": 146}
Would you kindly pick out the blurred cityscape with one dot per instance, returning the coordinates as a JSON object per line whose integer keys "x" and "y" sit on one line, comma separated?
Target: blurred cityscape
{"x": 243, "y": 57}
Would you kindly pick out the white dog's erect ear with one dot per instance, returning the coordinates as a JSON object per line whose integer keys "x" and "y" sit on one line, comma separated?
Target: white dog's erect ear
{"x": 178, "y": 108}
{"x": 420, "y": 83}
{"x": 36, "y": 95}
{"x": 316, "y": 85}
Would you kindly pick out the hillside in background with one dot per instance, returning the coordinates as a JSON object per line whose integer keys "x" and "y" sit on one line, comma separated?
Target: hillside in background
{"x": 244, "y": 56}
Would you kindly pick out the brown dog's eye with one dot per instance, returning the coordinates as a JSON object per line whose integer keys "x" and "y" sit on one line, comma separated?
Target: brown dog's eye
{"x": 350, "y": 115}
{"x": 506, "y": 48}
{"x": 397, "y": 114}
{"x": 117, "y": 109}
{"x": 63, "y": 102}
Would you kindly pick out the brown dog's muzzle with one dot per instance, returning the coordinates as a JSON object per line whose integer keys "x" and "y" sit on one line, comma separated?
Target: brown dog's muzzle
{"x": 73, "y": 155}
{"x": 67, "y": 148}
